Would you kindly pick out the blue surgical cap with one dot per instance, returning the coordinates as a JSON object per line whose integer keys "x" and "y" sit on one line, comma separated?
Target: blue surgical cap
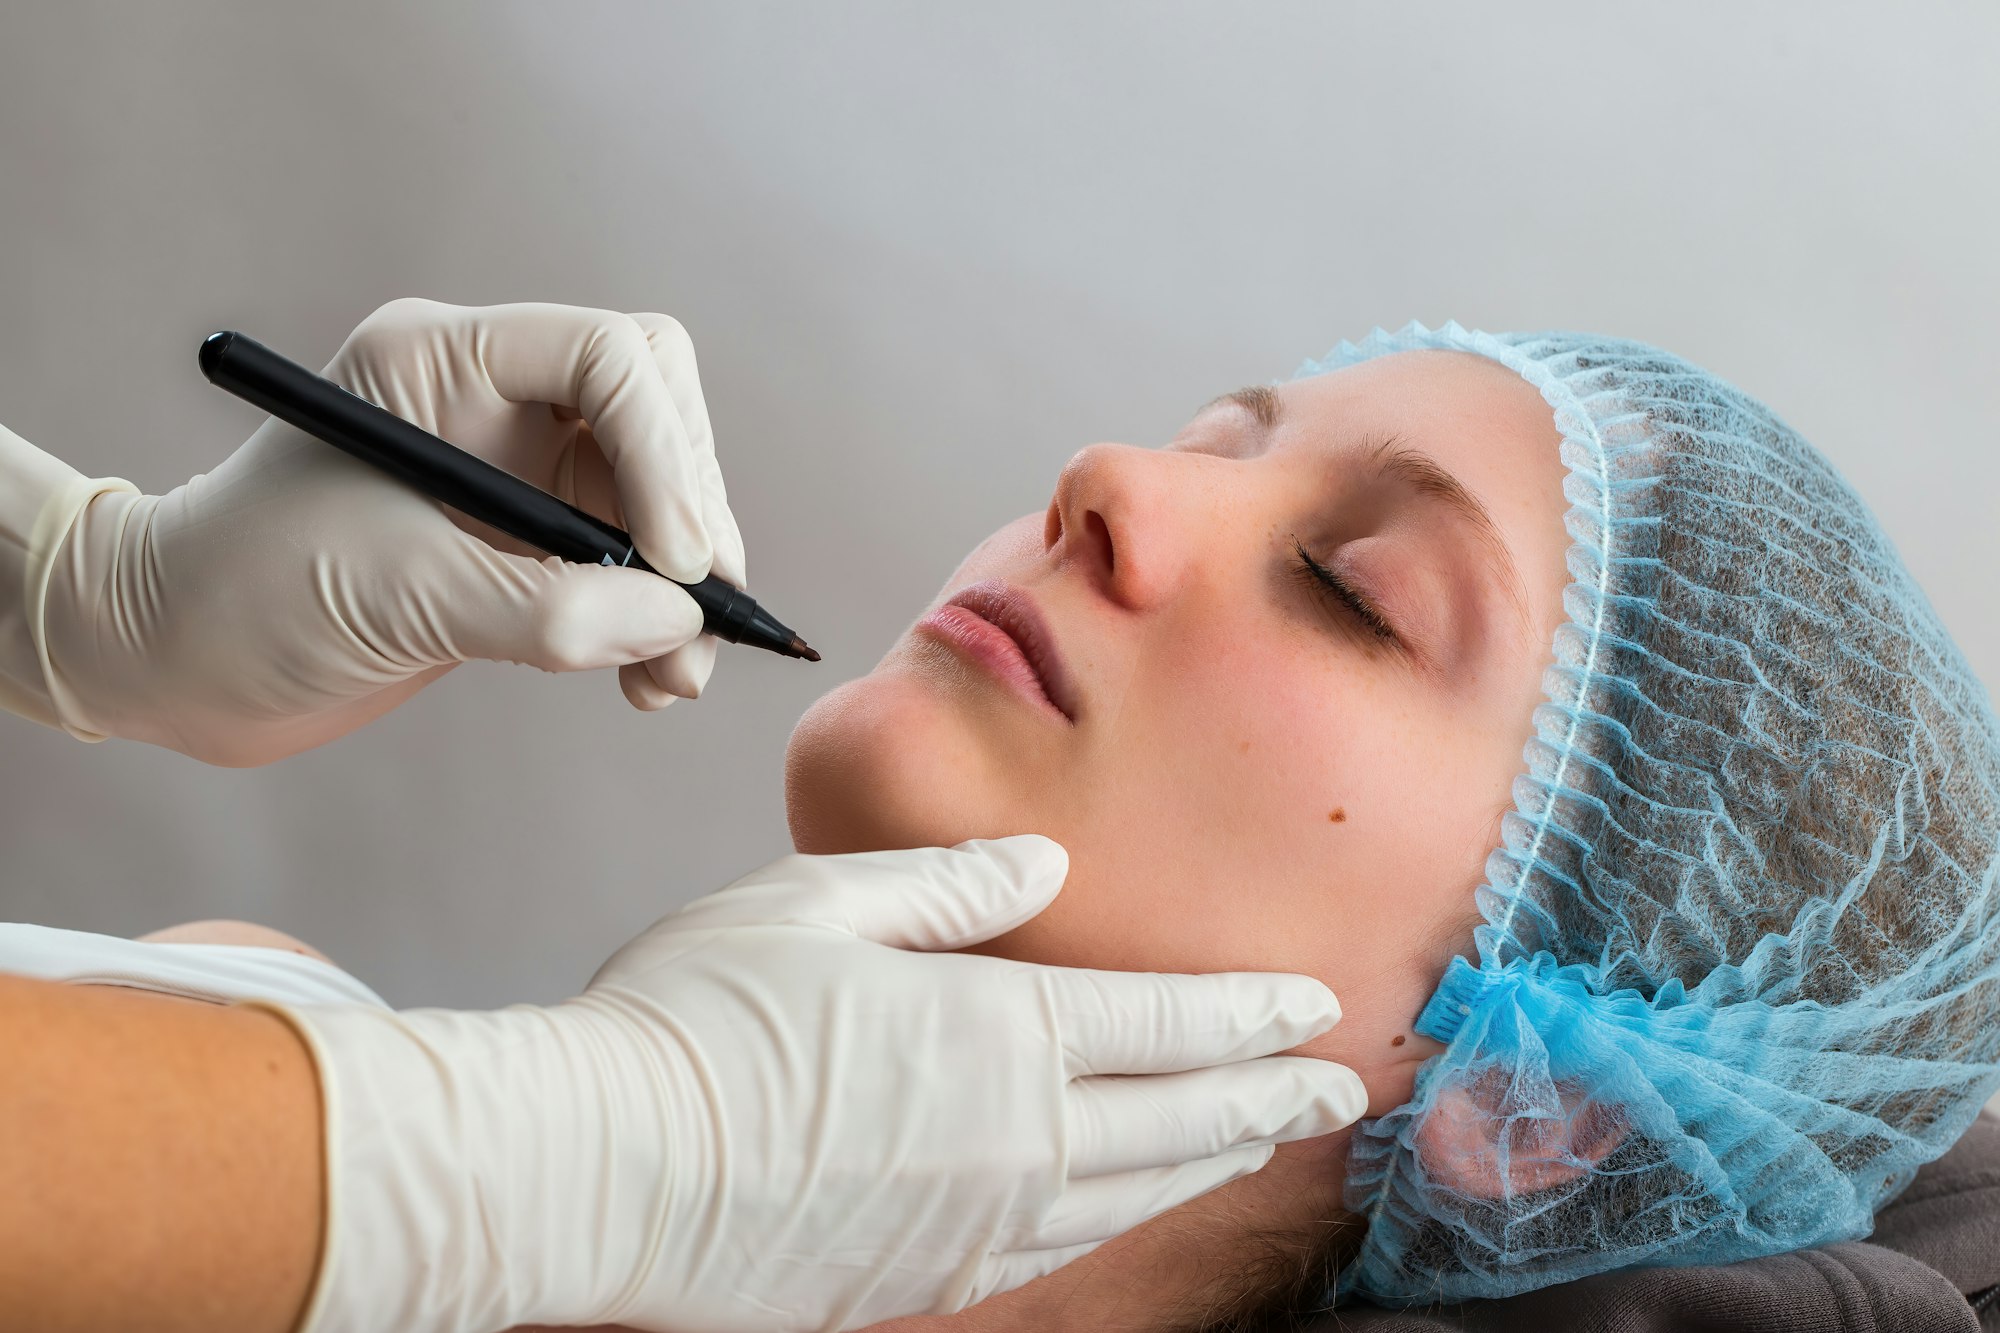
{"x": 1739, "y": 972}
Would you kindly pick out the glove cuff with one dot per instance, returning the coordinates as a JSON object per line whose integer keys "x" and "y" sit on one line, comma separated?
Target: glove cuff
{"x": 41, "y": 499}
{"x": 483, "y": 1170}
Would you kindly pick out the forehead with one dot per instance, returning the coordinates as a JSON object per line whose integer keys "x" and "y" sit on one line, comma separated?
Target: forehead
{"x": 1479, "y": 420}
{"x": 1440, "y": 395}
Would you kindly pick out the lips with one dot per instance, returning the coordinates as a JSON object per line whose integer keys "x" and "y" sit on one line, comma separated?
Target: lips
{"x": 1024, "y": 651}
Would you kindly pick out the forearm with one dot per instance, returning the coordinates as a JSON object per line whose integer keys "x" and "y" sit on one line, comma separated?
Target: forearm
{"x": 161, "y": 1164}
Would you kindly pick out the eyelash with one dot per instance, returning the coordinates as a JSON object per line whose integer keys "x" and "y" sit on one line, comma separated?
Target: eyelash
{"x": 1330, "y": 585}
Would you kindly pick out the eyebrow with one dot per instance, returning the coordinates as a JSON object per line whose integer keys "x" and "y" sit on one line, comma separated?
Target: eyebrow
{"x": 1392, "y": 459}
{"x": 1259, "y": 400}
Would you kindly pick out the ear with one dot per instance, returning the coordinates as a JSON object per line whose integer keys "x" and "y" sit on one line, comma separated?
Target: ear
{"x": 1472, "y": 1141}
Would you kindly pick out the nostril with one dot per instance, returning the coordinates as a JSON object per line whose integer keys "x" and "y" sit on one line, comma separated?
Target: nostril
{"x": 1099, "y": 534}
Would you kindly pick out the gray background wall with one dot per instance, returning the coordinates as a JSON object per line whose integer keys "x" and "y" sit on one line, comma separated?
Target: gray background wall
{"x": 926, "y": 252}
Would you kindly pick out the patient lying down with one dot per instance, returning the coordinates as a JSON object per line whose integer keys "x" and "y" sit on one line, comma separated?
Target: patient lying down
{"x": 1284, "y": 671}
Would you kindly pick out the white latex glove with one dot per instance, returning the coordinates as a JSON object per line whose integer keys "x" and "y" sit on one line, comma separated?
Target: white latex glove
{"x": 769, "y": 1112}
{"x": 294, "y": 594}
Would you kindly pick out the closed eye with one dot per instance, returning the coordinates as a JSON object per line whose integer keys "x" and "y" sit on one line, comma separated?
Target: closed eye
{"x": 1337, "y": 590}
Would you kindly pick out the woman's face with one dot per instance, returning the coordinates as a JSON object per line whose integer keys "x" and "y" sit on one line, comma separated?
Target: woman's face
{"x": 1253, "y": 765}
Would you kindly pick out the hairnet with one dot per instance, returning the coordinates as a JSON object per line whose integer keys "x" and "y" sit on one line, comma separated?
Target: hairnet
{"x": 1739, "y": 972}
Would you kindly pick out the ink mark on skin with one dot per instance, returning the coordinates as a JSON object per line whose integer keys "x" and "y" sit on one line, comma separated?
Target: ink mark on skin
{"x": 1397, "y": 1040}
{"x": 1338, "y": 815}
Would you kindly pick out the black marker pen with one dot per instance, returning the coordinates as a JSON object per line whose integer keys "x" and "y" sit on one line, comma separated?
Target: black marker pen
{"x": 473, "y": 486}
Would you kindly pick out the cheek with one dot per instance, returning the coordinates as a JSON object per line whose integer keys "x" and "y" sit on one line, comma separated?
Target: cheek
{"x": 1243, "y": 812}
{"x": 1292, "y": 757}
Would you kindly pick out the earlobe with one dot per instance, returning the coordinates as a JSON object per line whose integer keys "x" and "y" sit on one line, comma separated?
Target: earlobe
{"x": 1469, "y": 1143}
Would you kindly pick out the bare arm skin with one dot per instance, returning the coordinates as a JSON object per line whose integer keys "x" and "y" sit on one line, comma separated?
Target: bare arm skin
{"x": 160, "y": 1163}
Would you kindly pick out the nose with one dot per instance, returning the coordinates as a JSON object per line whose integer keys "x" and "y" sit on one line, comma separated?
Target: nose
{"x": 1125, "y": 521}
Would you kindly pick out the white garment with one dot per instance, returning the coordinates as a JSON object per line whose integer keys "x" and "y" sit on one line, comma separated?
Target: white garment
{"x": 219, "y": 973}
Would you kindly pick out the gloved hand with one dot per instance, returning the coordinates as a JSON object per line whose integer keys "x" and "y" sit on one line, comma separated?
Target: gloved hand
{"x": 294, "y": 594}
{"x": 770, "y": 1112}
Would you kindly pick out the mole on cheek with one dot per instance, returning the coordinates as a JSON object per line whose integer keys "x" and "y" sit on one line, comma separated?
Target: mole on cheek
{"x": 1398, "y": 1040}
{"x": 1337, "y": 815}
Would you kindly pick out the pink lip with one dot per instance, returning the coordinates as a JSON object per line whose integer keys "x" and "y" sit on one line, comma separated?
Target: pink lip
{"x": 997, "y": 626}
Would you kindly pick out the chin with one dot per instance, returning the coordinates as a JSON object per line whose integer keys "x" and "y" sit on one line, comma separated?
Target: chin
{"x": 889, "y": 761}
